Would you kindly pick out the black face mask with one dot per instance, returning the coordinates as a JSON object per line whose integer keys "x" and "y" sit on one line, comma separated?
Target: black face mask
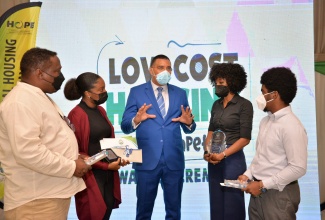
{"x": 222, "y": 91}
{"x": 57, "y": 80}
{"x": 102, "y": 98}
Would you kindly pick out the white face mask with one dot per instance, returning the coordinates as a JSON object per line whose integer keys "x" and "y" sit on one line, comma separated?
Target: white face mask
{"x": 261, "y": 102}
{"x": 163, "y": 77}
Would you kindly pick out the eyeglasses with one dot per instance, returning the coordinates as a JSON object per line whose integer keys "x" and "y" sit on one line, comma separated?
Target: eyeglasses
{"x": 67, "y": 120}
{"x": 162, "y": 68}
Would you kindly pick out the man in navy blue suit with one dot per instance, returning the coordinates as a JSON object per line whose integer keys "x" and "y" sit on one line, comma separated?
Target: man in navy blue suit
{"x": 158, "y": 134}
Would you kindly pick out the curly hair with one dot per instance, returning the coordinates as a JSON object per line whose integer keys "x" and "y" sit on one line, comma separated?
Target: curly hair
{"x": 234, "y": 74}
{"x": 282, "y": 80}
{"x": 35, "y": 58}
{"x": 75, "y": 87}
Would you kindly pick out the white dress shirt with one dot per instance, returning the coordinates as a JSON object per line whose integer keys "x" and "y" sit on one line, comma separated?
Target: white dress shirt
{"x": 165, "y": 95}
{"x": 37, "y": 148}
{"x": 281, "y": 150}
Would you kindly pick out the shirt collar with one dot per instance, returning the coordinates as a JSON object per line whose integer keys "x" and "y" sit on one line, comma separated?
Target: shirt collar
{"x": 154, "y": 87}
{"x": 280, "y": 113}
{"x": 31, "y": 87}
{"x": 233, "y": 100}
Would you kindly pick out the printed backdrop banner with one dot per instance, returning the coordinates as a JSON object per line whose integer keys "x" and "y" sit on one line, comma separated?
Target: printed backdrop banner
{"x": 18, "y": 28}
{"x": 117, "y": 40}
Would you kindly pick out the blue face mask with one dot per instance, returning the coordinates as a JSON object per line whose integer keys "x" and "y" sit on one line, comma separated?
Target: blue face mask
{"x": 163, "y": 77}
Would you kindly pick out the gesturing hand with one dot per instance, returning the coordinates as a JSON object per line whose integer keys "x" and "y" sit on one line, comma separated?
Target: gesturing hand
{"x": 186, "y": 117}
{"x": 142, "y": 114}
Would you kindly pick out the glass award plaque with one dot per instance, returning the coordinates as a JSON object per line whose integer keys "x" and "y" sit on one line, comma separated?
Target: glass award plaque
{"x": 217, "y": 143}
{"x": 234, "y": 184}
{"x": 108, "y": 154}
{"x": 95, "y": 158}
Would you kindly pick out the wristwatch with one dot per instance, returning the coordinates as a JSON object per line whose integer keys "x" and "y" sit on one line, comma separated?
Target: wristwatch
{"x": 262, "y": 189}
{"x": 206, "y": 152}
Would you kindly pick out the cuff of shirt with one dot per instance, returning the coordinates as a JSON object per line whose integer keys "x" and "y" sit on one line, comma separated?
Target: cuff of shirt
{"x": 189, "y": 127}
{"x": 248, "y": 174}
{"x": 134, "y": 125}
{"x": 74, "y": 165}
{"x": 268, "y": 183}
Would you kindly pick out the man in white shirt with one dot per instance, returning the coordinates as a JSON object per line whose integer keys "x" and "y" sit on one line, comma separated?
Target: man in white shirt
{"x": 38, "y": 148}
{"x": 281, "y": 151}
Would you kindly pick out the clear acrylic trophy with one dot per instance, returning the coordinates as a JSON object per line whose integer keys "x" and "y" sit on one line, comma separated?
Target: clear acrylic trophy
{"x": 108, "y": 154}
{"x": 217, "y": 143}
{"x": 235, "y": 184}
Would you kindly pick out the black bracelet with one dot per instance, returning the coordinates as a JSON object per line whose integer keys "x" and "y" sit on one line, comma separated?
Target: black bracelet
{"x": 206, "y": 152}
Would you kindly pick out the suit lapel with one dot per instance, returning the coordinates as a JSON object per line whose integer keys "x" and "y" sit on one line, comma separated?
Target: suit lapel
{"x": 172, "y": 98}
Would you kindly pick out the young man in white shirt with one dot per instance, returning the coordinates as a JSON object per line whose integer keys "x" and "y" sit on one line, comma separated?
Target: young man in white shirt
{"x": 281, "y": 151}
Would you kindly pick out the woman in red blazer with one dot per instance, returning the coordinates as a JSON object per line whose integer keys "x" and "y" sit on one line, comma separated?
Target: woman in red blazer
{"x": 91, "y": 125}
